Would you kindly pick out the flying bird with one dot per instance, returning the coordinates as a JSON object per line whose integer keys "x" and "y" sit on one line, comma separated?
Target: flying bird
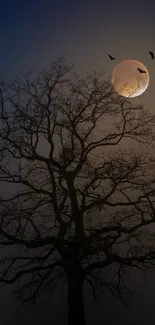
{"x": 111, "y": 57}
{"x": 152, "y": 55}
{"x": 141, "y": 71}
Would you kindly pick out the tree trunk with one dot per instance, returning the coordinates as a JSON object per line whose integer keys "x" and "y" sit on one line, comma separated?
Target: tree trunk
{"x": 75, "y": 299}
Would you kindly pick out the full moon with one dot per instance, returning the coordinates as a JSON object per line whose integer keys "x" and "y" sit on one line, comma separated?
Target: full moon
{"x": 127, "y": 79}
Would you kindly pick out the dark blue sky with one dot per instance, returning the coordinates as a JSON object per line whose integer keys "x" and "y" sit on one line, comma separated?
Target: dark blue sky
{"x": 34, "y": 33}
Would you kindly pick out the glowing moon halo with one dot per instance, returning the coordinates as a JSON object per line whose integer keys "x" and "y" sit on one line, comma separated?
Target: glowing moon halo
{"x": 128, "y": 81}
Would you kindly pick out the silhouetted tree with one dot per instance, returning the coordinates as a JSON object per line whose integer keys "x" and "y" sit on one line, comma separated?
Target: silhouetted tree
{"x": 80, "y": 198}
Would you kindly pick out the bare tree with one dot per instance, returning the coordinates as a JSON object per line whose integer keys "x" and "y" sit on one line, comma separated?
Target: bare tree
{"x": 80, "y": 197}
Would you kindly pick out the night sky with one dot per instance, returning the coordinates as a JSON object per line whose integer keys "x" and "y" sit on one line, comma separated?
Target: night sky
{"x": 33, "y": 34}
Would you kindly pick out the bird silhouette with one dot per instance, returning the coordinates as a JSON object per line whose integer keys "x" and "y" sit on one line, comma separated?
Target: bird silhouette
{"x": 111, "y": 57}
{"x": 141, "y": 71}
{"x": 152, "y": 55}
